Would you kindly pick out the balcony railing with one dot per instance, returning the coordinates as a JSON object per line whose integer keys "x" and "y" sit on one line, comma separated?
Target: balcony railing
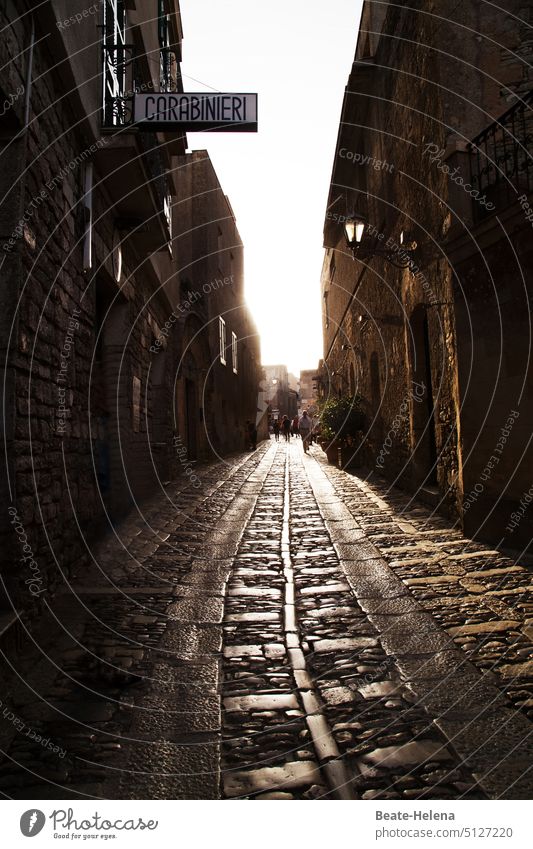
{"x": 119, "y": 85}
{"x": 502, "y": 158}
{"x": 121, "y": 82}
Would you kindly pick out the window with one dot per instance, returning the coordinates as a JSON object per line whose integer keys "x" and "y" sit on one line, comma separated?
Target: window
{"x": 115, "y": 62}
{"x": 167, "y": 58}
{"x": 326, "y": 309}
{"x": 136, "y": 404}
{"x": 222, "y": 339}
{"x": 332, "y": 267}
{"x": 234, "y": 351}
{"x": 167, "y": 211}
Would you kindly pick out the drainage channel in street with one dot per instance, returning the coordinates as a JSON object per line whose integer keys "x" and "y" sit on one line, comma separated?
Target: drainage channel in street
{"x": 313, "y": 706}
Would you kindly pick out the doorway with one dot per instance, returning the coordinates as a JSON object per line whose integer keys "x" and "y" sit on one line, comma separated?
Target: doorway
{"x": 424, "y": 442}
{"x": 191, "y": 417}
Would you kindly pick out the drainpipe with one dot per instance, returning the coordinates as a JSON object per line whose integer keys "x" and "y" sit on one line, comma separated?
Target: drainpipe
{"x": 88, "y": 218}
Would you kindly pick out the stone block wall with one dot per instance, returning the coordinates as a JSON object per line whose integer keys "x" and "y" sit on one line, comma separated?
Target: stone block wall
{"x": 83, "y": 391}
{"x": 416, "y": 95}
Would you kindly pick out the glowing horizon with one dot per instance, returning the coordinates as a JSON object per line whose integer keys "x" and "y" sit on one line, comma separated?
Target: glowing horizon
{"x": 297, "y": 57}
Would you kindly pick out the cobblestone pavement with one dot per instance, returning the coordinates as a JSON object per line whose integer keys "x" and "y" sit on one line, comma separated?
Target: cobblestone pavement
{"x": 287, "y": 631}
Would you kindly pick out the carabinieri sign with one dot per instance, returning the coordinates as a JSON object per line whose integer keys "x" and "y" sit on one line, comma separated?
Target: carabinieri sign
{"x": 196, "y": 111}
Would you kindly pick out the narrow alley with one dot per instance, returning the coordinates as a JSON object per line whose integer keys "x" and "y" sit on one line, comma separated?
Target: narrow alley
{"x": 266, "y": 517}
{"x": 285, "y": 631}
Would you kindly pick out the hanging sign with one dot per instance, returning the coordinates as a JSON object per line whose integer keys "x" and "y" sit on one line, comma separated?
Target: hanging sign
{"x": 192, "y": 112}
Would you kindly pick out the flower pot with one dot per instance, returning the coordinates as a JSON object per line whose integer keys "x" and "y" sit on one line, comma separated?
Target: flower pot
{"x": 332, "y": 452}
{"x": 350, "y": 457}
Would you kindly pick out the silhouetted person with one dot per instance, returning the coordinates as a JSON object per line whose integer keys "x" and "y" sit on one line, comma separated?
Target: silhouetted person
{"x": 252, "y": 434}
{"x": 275, "y": 428}
{"x": 286, "y": 428}
{"x": 306, "y": 426}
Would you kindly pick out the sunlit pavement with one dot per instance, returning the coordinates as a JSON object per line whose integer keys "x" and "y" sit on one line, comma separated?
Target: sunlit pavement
{"x": 287, "y": 630}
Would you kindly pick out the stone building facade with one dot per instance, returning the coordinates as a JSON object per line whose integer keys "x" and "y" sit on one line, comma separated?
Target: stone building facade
{"x": 428, "y": 320}
{"x": 309, "y": 390}
{"x": 94, "y": 367}
{"x": 219, "y": 369}
{"x": 282, "y": 400}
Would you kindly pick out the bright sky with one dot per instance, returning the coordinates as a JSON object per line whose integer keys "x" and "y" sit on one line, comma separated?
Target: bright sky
{"x": 297, "y": 55}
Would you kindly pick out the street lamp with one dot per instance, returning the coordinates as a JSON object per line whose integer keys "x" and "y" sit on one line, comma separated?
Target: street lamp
{"x": 356, "y": 230}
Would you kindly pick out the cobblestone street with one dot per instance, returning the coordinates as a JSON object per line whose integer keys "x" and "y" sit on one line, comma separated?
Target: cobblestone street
{"x": 285, "y": 631}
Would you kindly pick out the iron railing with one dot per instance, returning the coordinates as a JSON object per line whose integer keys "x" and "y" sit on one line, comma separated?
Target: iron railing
{"x": 502, "y": 158}
{"x": 119, "y": 85}
{"x": 121, "y": 82}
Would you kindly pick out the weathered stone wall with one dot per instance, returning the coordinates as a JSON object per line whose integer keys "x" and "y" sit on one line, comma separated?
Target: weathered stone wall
{"x": 494, "y": 289}
{"x": 490, "y": 255}
{"x": 383, "y": 178}
{"x": 43, "y": 269}
{"x": 423, "y": 88}
{"x": 212, "y": 263}
{"x": 79, "y": 452}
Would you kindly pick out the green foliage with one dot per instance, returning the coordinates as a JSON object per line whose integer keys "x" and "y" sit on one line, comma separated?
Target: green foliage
{"x": 341, "y": 418}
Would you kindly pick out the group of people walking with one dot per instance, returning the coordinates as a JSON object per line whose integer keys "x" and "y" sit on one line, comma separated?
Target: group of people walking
{"x": 303, "y": 426}
{"x": 299, "y": 426}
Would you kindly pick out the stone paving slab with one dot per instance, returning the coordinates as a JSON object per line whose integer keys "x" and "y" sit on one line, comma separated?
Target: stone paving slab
{"x": 289, "y": 632}
{"x": 165, "y": 770}
{"x": 154, "y": 679}
{"x": 467, "y": 705}
{"x": 352, "y": 701}
{"x": 297, "y": 776}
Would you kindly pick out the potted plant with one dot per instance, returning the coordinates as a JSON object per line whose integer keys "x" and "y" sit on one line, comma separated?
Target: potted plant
{"x": 342, "y": 422}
